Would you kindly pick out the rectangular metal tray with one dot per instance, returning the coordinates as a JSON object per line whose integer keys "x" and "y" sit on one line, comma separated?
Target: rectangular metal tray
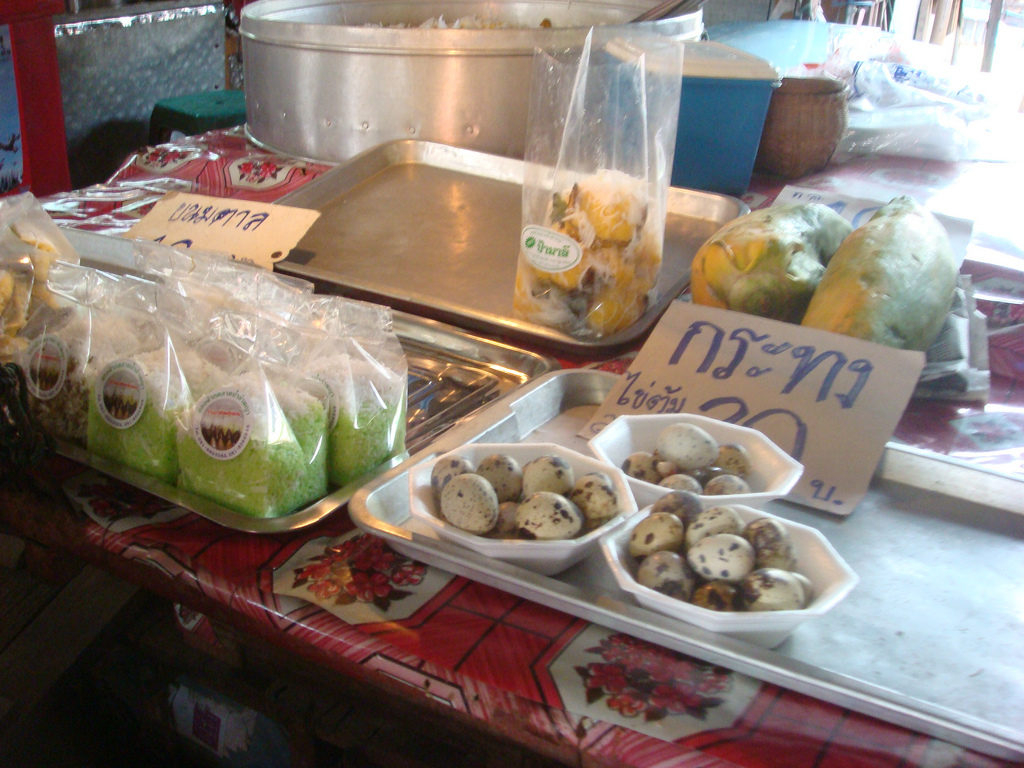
{"x": 434, "y": 230}
{"x": 452, "y": 373}
{"x": 930, "y": 639}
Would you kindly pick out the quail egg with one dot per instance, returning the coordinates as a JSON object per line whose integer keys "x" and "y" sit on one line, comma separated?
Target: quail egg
{"x": 664, "y": 466}
{"x": 726, "y": 485}
{"x": 547, "y": 515}
{"x": 504, "y": 473}
{"x": 720, "y": 519}
{"x": 772, "y": 545}
{"x": 687, "y": 446}
{"x": 469, "y": 502}
{"x": 506, "y": 526}
{"x": 717, "y": 596}
{"x": 683, "y": 504}
{"x": 595, "y": 495}
{"x": 547, "y": 473}
{"x": 734, "y": 459}
{"x": 657, "y": 531}
{"x": 772, "y": 589}
{"x": 681, "y": 482}
{"x": 445, "y": 469}
{"x": 642, "y": 465}
{"x": 668, "y": 573}
{"x": 721, "y": 556}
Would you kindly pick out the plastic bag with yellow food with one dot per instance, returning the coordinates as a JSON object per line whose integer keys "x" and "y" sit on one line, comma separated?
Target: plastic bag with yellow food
{"x": 29, "y": 243}
{"x": 600, "y": 142}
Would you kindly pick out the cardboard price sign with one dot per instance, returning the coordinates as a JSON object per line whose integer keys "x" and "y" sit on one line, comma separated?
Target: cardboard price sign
{"x": 257, "y": 233}
{"x": 830, "y": 401}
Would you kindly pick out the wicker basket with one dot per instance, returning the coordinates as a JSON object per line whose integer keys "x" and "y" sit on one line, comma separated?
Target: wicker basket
{"x": 806, "y": 118}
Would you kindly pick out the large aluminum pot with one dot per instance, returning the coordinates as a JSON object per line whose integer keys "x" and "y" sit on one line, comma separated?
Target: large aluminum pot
{"x": 325, "y": 80}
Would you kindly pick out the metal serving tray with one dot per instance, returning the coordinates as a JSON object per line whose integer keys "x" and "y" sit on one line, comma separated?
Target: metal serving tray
{"x": 930, "y": 639}
{"x": 452, "y": 373}
{"x": 434, "y": 230}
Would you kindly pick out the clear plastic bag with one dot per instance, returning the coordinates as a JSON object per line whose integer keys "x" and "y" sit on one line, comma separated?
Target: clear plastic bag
{"x": 360, "y": 362}
{"x": 600, "y": 144}
{"x": 54, "y": 347}
{"x": 29, "y": 243}
{"x": 137, "y": 392}
{"x": 236, "y": 447}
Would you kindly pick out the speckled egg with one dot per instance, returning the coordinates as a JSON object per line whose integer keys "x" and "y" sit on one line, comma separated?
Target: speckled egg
{"x": 658, "y": 531}
{"x": 683, "y": 504}
{"x": 687, "y": 446}
{"x": 445, "y": 469}
{"x": 722, "y": 556}
{"x": 734, "y": 459}
{"x": 595, "y": 495}
{"x": 547, "y": 473}
{"x": 681, "y": 482}
{"x": 504, "y": 473}
{"x": 469, "y": 502}
{"x": 642, "y": 465}
{"x": 726, "y": 485}
{"x": 771, "y": 542}
{"x": 772, "y": 589}
{"x": 664, "y": 467}
{"x": 668, "y": 573}
{"x": 505, "y": 528}
{"x": 547, "y": 515}
{"x": 807, "y": 585}
{"x": 717, "y": 596}
{"x": 720, "y": 519}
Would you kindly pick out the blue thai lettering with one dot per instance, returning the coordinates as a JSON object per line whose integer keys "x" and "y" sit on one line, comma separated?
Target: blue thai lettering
{"x": 798, "y": 425}
{"x": 695, "y": 328}
{"x": 255, "y": 221}
{"x": 809, "y": 361}
{"x": 738, "y": 411}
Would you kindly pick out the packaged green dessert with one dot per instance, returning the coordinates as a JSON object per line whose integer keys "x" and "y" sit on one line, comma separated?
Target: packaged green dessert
{"x": 363, "y": 367}
{"x": 236, "y": 446}
{"x": 137, "y": 393}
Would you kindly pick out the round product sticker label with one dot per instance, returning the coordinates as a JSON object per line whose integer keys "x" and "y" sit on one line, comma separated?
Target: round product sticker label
{"x": 548, "y": 250}
{"x": 47, "y": 367}
{"x": 121, "y": 393}
{"x": 222, "y": 424}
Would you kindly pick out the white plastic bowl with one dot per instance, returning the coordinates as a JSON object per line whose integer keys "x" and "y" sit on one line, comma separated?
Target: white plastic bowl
{"x": 544, "y": 557}
{"x": 831, "y": 578}
{"x": 773, "y": 471}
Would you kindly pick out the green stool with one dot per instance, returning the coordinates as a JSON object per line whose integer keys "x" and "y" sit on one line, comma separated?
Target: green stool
{"x": 196, "y": 113}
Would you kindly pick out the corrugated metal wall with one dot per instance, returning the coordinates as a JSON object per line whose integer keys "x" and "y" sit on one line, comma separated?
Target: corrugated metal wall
{"x": 117, "y": 62}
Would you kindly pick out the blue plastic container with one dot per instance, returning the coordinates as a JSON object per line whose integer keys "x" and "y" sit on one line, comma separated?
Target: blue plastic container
{"x": 722, "y": 108}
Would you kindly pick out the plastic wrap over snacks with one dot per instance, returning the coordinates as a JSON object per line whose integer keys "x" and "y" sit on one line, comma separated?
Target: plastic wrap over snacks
{"x": 29, "y": 243}
{"x": 232, "y": 383}
{"x": 600, "y": 139}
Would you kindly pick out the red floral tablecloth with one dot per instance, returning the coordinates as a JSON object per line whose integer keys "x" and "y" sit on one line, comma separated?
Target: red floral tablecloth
{"x": 519, "y": 666}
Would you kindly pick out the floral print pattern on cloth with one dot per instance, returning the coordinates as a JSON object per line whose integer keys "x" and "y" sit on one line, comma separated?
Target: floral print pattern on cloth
{"x": 617, "y": 678}
{"x": 358, "y": 578}
{"x": 118, "y": 506}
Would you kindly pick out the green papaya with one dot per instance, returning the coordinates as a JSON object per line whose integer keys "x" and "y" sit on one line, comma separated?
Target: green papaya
{"x": 769, "y": 261}
{"x": 891, "y": 281}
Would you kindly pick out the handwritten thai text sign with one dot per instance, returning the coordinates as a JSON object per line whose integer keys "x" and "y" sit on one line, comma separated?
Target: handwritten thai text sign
{"x": 257, "y": 233}
{"x": 830, "y": 401}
